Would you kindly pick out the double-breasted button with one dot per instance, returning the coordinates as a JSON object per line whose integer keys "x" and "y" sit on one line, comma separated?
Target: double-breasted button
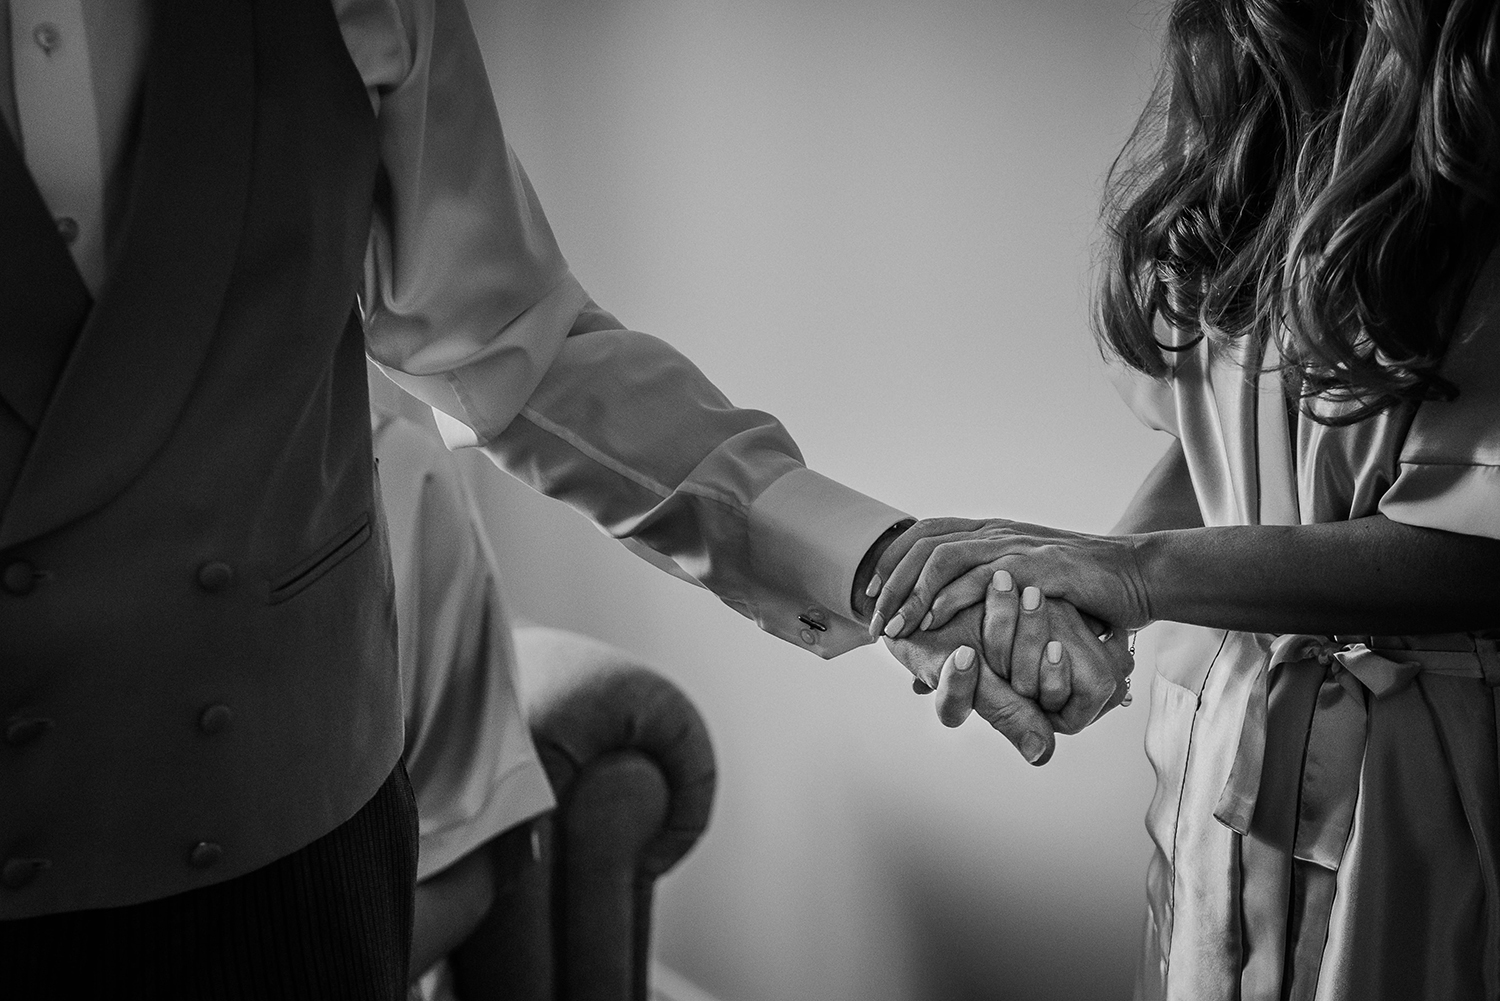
{"x": 18, "y": 577}
{"x": 205, "y": 854}
{"x": 215, "y": 576}
{"x": 22, "y": 730}
{"x": 807, "y": 636}
{"x": 47, "y": 37}
{"x": 17, "y": 872}
{"x": 215, "y": 718}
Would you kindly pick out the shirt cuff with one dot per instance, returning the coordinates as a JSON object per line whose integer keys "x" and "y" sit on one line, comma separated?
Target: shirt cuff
{"x": 809, "y": 533}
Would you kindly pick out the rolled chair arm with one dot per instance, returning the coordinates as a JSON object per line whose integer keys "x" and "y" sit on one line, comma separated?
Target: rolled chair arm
{"x": 631, "y": 765}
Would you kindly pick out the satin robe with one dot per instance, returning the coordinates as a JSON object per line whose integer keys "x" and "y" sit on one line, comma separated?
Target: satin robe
{"x": 1326, "y": 821}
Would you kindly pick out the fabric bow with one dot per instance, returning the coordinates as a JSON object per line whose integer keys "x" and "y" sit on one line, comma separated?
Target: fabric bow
{"x": 1336, "y": 741}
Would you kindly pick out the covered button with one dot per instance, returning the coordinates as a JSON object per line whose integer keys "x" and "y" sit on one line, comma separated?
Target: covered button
{"x": 215, "y": 718}
{"x": 21, "y": 730}
{"x": 205, "y": 854}
{"x": 17, "y": 872}
{"x": 215, "y": 576}
{"x": 18, "y": 577}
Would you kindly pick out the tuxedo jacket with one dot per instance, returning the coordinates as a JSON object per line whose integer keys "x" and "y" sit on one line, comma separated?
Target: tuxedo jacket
{"x": 197, "y": 662}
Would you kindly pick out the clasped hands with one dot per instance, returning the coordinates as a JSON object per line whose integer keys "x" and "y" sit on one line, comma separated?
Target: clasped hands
{"x": 1025, "y": 625}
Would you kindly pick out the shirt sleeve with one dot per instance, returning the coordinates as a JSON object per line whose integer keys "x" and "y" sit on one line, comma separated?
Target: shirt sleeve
{"x": 469, "y": 305}
{"x": 1449, "y": 472}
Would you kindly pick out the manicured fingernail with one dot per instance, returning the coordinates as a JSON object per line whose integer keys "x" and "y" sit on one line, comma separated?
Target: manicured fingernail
{"x": 963, "y": 658}
{"x": 1054, "y": 652}
{"x": 877, "y": 622}
{"x": 1003, "y": 582}
{"x": 894, "y": 627}
{"x": 926, "y": 622}
{"x": 1031, "y": 598}
{"x": 874, "y": 588}
{"x": 1033, "y": 747}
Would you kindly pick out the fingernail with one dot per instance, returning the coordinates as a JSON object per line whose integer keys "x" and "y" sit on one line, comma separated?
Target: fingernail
{"x": 894, "y": 627}
{"x": 874, "y": 587}
{"x": 1031, "y": 598}
{"x": 963, "y": 658}
{"x": 926, "y": 622}
{"x": 877, "y": 622}
{"x": 1054, "y": 652}
{"x": 1003, "y": 582}
{"x": 1033, "y": 747}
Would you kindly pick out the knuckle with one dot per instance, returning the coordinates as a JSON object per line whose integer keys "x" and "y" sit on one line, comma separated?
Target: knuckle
{"x": 1004, "y": 715}
{"x": 920, "y": 594}
{"x": 946, "y": 556}
{"x": 1098, "y": 688}
{"x": 1024, "y": 682}
{"x": 1090, "y": 698}
{"x": 1068, "y": 723}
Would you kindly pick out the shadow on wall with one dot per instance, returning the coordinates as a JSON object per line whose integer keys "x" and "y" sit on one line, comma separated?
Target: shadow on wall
{"x": 872, "y": 218}
{"x": 980, "y": 936}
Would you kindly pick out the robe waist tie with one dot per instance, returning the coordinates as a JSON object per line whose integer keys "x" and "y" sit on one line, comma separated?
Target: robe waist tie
{"x": 1329, "y": 785}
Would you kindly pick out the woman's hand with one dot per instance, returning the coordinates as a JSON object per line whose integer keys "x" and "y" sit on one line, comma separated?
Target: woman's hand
{"x": 941, "y": 566}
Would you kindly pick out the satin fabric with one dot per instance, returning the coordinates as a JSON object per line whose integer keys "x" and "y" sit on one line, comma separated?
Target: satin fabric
{"x": 468, "y": 751}
{"x": 1359, "y": 861}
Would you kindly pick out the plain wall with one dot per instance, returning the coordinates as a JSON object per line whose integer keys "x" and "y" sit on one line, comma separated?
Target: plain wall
{"x": 875, "y": 221}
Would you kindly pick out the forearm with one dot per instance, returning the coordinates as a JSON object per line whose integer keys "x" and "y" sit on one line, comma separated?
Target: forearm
{"x": 631, "y": 434}
{"x": 1165, "y": 500}
{"x": 1367, "y": 576}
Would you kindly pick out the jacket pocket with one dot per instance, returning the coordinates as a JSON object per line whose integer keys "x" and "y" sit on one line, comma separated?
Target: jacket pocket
{"x": 329, "y": 555}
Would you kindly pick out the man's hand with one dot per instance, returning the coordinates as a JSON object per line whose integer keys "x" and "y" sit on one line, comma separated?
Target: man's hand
{"x": 935, "y": 658}
{"x": 1050, "y": 654}
{"x": 1044, "y": 670}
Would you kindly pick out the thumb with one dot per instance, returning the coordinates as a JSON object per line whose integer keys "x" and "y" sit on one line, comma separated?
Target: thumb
{"x": 1021, "y": 720}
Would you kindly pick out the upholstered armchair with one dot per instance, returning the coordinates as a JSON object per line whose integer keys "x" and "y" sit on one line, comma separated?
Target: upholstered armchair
{"x": 625, "y": 752}
{"x": 630, "y": 762}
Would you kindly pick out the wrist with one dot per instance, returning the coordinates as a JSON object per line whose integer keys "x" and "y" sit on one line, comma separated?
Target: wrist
{"x": 1151, "y": 556}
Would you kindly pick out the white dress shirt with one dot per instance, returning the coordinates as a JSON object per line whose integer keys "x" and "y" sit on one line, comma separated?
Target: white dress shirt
{"x": 469, "y": 305}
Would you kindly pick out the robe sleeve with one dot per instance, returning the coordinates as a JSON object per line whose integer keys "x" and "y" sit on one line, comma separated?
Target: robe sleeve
{"x": 1449, "y": 471}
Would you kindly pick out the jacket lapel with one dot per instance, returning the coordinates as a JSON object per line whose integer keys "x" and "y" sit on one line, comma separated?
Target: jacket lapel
{"x": 139, "y": 353}
{"x": 45, "y": 301}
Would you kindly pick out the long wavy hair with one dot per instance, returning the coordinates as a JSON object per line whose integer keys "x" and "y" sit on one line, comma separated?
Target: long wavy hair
{"x": 1324, "y": 174}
